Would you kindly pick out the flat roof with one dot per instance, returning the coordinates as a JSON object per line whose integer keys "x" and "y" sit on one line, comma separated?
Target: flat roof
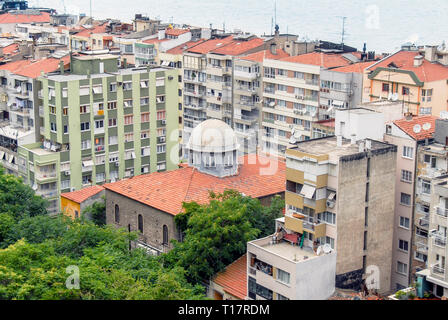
{"x": 285, "y": 250}
{"x": 329, "y": 146}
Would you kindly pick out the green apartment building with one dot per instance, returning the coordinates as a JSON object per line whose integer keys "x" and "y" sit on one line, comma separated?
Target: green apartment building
{"x": 99, "y": 124}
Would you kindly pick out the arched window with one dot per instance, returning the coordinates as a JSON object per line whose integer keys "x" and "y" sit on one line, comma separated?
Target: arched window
{"x": 165, "y": 235}
{"x": 140, "y": 223}
{"x": 117, "y": 213}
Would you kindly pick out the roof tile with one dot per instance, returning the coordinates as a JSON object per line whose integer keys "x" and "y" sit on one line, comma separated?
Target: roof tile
{"x": 82, "y": 195}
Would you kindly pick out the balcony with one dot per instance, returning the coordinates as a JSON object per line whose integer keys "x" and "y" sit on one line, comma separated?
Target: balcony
{"x": 424, "y": 221}
{"x": 443, "y": 212}
{"x": 439, "y": 241}
{"x": 299, "y": 223}
{"x": 194, "y": 106}
{"x": 52, "y": 193}
{"x": 439, "y": 270}
{"x": 99, "y": 148}
{"x": 195, "y": 93}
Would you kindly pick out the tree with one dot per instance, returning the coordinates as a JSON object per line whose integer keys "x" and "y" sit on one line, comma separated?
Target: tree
{"x": 215, "y": 236}
{"x": 18, "y": 199}
{"x": 97, "y": 212}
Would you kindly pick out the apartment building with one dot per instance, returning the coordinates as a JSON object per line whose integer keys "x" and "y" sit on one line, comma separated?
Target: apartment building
{"x": 340, "y": 192}
{"x": 286, "y": 267}
{"x": 290, "y": 102}
{"x": 247, "y": 96}
{"x": 10, "y": 20}
{"x": 101, "y": 124}
{"x": 19, "y": 111}
{"x": 432, "y": 163}
{"x": 416, "y": 77}
{"x": 82, "y": 39}
{"x": 434, "y": 279}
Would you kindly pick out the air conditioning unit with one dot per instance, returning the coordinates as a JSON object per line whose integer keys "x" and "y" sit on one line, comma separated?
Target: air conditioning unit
{"x": 66, "y": 173}
{"x": 162, "y": 139}
{"x": 117, "y": 164}
{"x": 330, "y": 204}
{"x": 72, "y": 189}
{"x": 163, "y": 122}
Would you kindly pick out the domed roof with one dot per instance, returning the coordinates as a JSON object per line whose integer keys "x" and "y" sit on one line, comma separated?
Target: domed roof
{"x": 213, "y": 136}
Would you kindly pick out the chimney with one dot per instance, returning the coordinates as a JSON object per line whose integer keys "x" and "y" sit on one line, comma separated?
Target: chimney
{"x": 368, "y": 144}
{"x": 274, "y": 48}
{"x": 162, "y": 34}
{"x": 353, "y": 139}
{"x": 362, "y": 146}
{"x": 430, "y": 53}
{"x": 408, "y": 116}
{"x": 339, "y": 141}
{"x": 418, "y": 61}
{"x": 61, "y": 67}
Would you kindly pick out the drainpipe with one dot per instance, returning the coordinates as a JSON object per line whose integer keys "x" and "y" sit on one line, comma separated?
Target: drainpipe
{"x": 413, "y": 214}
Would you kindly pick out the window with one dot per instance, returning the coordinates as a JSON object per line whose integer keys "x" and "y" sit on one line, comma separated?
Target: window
{"x": 283, "y": 276}
{"x": 264, "y": 292}
{"x": 165, "y": 235}
{"x": 84, "y": 91}
{"x": 117, "y": 214}
{"x": 426, "y": 95}
{"x": 161, "y": 166}
{"x": 112, "y": 105}
{"x": 161, "y": 132}
{"x": 129, "y": 137}
{"x": 100, "y": 177}
{"x": 84, "y": 109}
{"x": 128, "y": 103}
{"x": 113, "y": 140}
{"x": 113, "y": 87}
{"x": 365, "y": 240}
{"x": 128, "y": 119}
{"x": 405, "y": 199}
{"x": 426, "y": 186}
{"x": 99, "y": 124}
{"x": 161, "y": 148}
{"x": 420, "y": 256}
{"x": 431, "y": 160}
{"x": 145, "y": 117}
{"x": 127, "y": 86}
{"x": 65, "y": 129}
{"x": 65, "y": 111}
{"x": 52, "y": 109}
{"x": 161, "y": 115}
{"x": 366, "y": 216}
{"x": 85, "y": 144}
{"x": 405, "y": 91}
{"x": 85, "y": 126}
{"x": 408, "y": 152}
{"x": 404, "y": 222}
{"x": 403, "y": 245}
{"x": 53, "y": 127}
{"x": 144, "y": 134}
{"x": 144, "y": 101}
{"x": 140, "y": 223}
{"x": 280, "y": 297}
{"x": 112, "y": 122}
{"x": 327, "y": 217}
{"x": 101, "y": 159}
{"x": 385, "y": 87}
{"x": 406, "y": 176}
{"x": 145, "y": 151}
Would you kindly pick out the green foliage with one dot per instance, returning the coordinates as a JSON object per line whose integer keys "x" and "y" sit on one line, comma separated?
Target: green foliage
{"x": 18, "y": 199}
{"x": 97, "y": 212}
{"x": 216, "y": 234}
{"x": 36, "y": 229}
{"x": 6, "y": 223}
{"x": 400, "y": 294}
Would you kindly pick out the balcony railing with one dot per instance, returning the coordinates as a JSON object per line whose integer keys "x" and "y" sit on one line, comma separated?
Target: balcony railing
{"x": 438, "y": 269}
{"x": 442, "y": 212}
{"x": 439, "y": 241}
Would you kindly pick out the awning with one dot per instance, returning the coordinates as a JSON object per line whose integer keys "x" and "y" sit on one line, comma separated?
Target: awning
{"x": 308, "y": 191}
{"x": 97, "y": 90}
{"x": 165, "y": 63}
{"x": 2, "y": 153}
{"x": 143, "y": 84}
{"x": 11, "y": 159}
{"x": 338, "y": 103}
{"x": 87, "y": 163}
{"x": 331, "y": 196}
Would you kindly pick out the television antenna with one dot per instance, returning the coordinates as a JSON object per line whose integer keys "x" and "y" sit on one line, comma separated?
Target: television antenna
{"x": 343, "y": 32}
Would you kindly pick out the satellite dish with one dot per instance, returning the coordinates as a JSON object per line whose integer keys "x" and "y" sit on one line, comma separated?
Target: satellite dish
{"x": 427, "y": 126}
{"x": 417, "y": 128}
{"x": 292, "y": 140}
{"x": 297, "y": 135}
{"x": 327, "y": 248}
{"x": 395, "y": 97}
{"x": 272, "y": 104}
{"x": 444, "y": 114}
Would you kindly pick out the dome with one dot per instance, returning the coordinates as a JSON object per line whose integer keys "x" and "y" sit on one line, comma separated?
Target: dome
{"x": 213, "y": 136}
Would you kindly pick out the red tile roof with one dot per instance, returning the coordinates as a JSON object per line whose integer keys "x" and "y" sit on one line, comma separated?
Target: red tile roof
{"x": 14, "y": 66}
{"x": 12, "y": 48}
{"x": 155, "y": 40}
{"x": 327, "y": 123}
{"x": 238, "y": 47}
{"x": 46, "y": 65}
{"x": 408, "y": 126}
{"x": 166, "y": 191}
{"x": 184, "y": 47}
{"x": 266, "y": 54}
{"x": 404, "y": 60}
{"x": 24, "y": 18}
{"x": 233, "y": 279}
{"x": 325, "y": 60}
{"x": 86, "y": 32}
{"x": 210, "y": 45}
{"x": 355, "y": 68}
{"x": 176, "y": 32}
{"x": 82, "y": 195}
